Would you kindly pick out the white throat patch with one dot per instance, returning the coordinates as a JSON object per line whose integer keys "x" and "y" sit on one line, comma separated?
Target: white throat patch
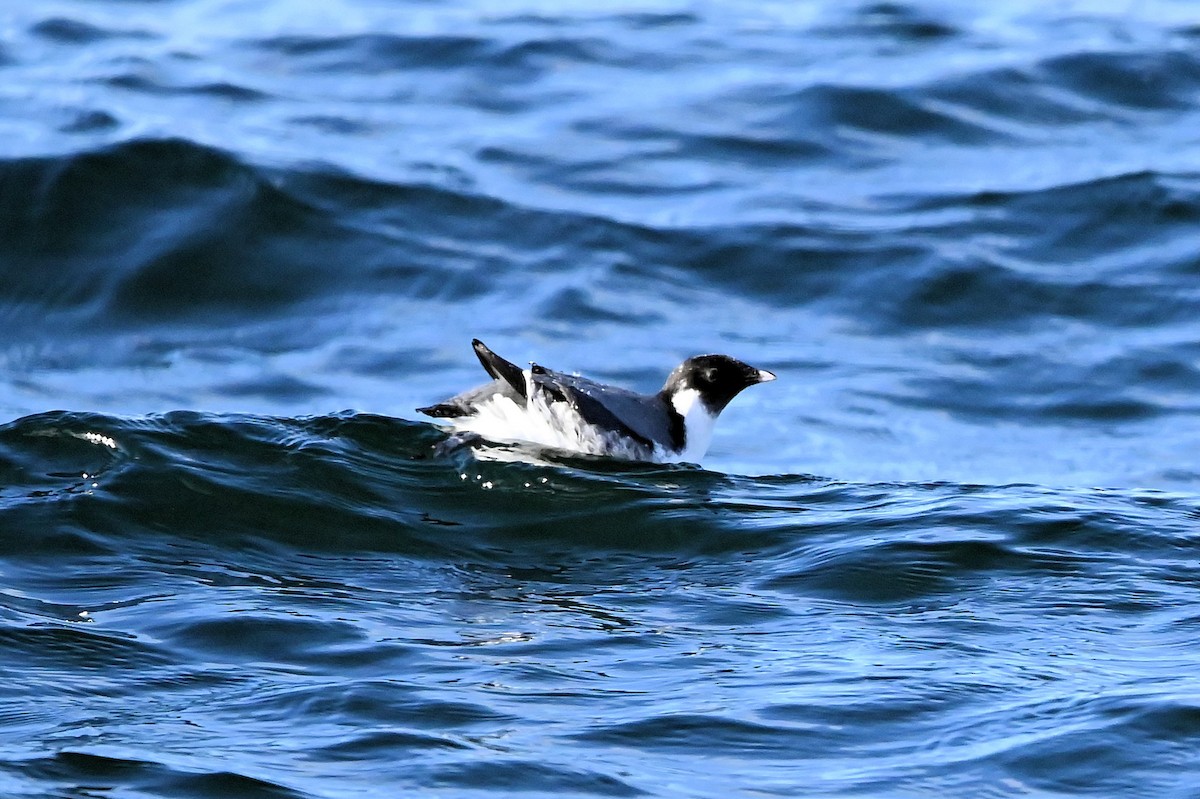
{"x": 698, "y": 425}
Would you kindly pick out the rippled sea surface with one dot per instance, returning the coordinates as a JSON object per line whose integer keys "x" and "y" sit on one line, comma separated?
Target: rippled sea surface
{"x": 953, "y": 551}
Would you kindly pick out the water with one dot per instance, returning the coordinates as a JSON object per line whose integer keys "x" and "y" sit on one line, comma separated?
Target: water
{"x": 953, "y": 550}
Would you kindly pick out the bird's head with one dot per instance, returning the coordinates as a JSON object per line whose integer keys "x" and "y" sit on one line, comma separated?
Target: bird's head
{"x": 716, "y": 379}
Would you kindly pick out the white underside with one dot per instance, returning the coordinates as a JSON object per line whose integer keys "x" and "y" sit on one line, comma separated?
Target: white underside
{"x": 557, "y": 425}
{"x": 553, "y": 424}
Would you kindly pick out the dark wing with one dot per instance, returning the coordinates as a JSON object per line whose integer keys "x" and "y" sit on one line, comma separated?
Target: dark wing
{"x": 499, "y": 368}
{"x": 509, "y": 381}
{"x": 643, "y": 418}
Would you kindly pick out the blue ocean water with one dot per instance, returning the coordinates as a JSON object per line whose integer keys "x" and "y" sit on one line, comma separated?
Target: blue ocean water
{"x": 953, "y": 551}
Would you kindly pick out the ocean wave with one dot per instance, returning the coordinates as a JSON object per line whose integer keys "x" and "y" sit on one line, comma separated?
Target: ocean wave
{"x": 345, "y": 550}
{"x": 357, "y": 480}
{"x": 171, "y": 231}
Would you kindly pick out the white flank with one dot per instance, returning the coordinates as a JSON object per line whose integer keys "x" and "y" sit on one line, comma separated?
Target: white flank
{"x": 697, "y": 423}
{"x": 547, "y": 424}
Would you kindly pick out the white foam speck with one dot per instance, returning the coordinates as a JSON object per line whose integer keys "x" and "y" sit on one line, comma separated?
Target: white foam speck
{"x": 96, "y": 438}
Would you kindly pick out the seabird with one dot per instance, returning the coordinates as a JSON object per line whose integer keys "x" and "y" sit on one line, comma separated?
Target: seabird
{"x": 541, "y": 406}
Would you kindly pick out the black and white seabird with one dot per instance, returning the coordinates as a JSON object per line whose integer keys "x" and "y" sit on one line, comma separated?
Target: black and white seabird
{"x": 567, "y": 412}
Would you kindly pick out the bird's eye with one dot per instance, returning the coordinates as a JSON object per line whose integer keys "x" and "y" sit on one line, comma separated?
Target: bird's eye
{"x": 709, "y": 375}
